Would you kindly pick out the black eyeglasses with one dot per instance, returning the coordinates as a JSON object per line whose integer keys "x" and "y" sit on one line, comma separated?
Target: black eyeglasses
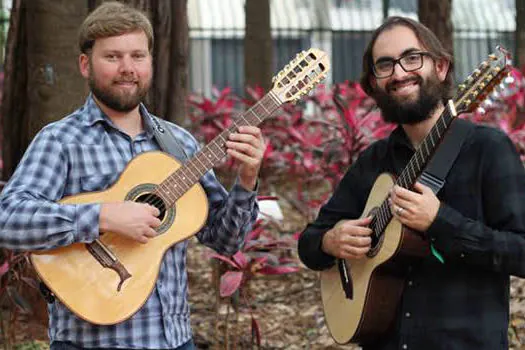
{"x": 409, "y": 62}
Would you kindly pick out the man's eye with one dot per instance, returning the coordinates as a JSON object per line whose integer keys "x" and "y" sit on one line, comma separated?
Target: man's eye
{"x": 411, "y": 58}
{"x": 384, "y": 66}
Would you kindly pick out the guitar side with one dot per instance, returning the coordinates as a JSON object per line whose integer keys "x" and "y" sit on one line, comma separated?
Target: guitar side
{"x": 88, "y": 289}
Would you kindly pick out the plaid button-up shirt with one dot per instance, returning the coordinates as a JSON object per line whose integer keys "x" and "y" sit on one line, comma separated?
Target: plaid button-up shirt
{"x": 462, "y": 303}
{"x": 86, "y": 152}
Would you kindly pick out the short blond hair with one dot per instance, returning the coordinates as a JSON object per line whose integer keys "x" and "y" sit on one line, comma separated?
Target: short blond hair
{"x": 111, "y": 19}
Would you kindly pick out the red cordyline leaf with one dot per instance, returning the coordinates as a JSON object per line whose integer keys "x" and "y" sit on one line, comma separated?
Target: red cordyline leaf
{"x": 225, "y": 259}
{"x": 268, "y": 151}
{"x": 240, "y": 259}
{"x": 4, "y": 268}
{"x": 254, "y": 234}
{"x": 297, "y": 134}
{"x": 230, "y": 282}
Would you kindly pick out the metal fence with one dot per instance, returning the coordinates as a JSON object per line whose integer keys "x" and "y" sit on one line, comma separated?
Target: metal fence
{"x": 340, "y": 27}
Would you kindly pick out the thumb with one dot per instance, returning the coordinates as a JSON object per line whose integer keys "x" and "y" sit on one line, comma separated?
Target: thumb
{"x": 364, "y": 221}
{"x": 420, "y": 188}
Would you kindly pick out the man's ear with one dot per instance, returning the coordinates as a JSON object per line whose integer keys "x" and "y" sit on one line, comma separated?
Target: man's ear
{"x": 83, "y": 64}
{"x": 372, "y": 81}
{"x": 442, "y": 67}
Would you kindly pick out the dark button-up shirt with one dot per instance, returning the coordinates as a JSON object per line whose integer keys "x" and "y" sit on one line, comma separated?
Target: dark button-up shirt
{"x": 462, "y": 303}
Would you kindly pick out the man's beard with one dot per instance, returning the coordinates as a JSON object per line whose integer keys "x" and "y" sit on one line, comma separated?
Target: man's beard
{"x": 431, "y": 92}
{"x": 118, "y": 102}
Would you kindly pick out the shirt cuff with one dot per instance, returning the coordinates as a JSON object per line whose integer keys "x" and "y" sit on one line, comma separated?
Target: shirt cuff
{"x": 443, "y": 230}
{"x": 243, "y": 198}
{"x": 87, "y": 219}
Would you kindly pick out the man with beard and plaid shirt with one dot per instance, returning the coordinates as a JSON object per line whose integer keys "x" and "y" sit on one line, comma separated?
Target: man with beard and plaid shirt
{"x": 85, "y": 152}
{"x": 476, "y": 223}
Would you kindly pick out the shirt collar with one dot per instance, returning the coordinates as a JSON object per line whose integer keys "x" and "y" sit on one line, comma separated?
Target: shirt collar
{"x": 399, "y": 138}
{"x": 93, "y": 115}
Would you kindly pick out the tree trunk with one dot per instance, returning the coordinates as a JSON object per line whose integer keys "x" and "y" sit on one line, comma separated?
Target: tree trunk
{"x": 436, "y": 15}
{"x": 42, "y": 83}
{"x": 258, "y": 48}
{"x": 520, "y": 34}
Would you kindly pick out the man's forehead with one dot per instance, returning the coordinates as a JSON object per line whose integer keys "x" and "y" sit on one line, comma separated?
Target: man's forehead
{"x": 126, "y": 41}
{"x": 395, "y": 42}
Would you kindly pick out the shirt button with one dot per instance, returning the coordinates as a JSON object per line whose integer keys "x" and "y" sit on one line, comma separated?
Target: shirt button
{"x": 404, "y": 346}
{"x": 410, "y": 283}
{"x": 433, "y": 239}
{"x": 462, "y": 255}
{"x": 407, "y": 315}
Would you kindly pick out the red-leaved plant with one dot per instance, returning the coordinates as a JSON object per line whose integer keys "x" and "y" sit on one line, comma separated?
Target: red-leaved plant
{"x": 310, "y": 143}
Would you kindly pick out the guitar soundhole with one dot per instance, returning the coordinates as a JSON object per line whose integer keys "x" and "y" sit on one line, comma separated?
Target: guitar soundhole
{"x": 154, "y": 200}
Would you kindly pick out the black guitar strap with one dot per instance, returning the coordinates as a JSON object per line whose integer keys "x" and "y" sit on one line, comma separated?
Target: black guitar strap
{"x": 441, "y": 162}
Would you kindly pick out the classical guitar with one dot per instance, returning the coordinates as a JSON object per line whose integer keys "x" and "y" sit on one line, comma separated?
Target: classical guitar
{"x": 360, "y": 296}
{"x": 108, "y": 280}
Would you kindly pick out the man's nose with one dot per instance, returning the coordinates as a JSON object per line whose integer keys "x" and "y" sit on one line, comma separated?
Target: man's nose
{"x": 398, "y": 71}
{"x": 126, "y": 64}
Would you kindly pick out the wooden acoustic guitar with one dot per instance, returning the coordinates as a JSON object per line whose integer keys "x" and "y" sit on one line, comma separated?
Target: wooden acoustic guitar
{"x": 107, "y": 281}
{"x": 360, "y": 297}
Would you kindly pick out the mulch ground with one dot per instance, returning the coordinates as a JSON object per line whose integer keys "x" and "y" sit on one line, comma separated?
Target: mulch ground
{"x": 286, "y": 307}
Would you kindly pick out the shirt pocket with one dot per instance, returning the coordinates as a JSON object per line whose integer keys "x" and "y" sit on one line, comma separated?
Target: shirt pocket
{"x": 97, "y": 182}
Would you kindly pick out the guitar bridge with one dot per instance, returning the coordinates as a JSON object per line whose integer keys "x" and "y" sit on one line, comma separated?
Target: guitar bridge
{"x": 346, "y": 278}
{"x": 108, "y": 260}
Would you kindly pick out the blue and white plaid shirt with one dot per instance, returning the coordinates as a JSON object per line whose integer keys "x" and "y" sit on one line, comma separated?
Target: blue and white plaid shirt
{"x": 86, "y": 152}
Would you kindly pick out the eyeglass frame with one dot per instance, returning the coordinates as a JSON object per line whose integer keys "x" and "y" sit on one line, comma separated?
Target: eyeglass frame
{"x": 398, "y": 60}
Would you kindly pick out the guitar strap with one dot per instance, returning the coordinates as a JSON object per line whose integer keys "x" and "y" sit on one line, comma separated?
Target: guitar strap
{"x": 439, "y": 165}
{"x": 165, "y": 138}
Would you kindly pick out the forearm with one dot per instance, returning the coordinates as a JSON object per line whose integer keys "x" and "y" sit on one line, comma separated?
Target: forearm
{"x": 231, "y": 217}
{"x": 27, "y": 224}
{"x": 466, "y": 241}
{"x": 310, "y": 249}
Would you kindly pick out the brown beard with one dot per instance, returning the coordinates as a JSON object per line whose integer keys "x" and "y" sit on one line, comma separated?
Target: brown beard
{"x": 431, "y": 92}
{"x": 120, "y": 103}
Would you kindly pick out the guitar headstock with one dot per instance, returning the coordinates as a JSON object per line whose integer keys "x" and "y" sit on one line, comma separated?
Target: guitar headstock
{"x": 301, "y": 75}
{"x": 482, "y": 81}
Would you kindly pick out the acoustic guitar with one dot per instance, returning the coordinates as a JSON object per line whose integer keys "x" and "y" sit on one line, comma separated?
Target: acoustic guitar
{"x": 107, "y": 281}
{"x": 360, "y": 296}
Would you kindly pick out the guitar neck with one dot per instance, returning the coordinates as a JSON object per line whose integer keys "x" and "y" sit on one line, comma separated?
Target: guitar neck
{"x": 171, "y": 189}
{"x": 425, "y": 151}
{"x": 415, "y": 167}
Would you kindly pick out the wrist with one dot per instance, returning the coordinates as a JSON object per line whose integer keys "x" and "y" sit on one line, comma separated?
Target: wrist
{"x": 248, "y": 183}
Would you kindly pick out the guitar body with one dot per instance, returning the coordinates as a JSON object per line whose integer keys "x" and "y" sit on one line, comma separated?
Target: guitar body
{"x": 377, "y": 280}
{"x": 89, "y": 289}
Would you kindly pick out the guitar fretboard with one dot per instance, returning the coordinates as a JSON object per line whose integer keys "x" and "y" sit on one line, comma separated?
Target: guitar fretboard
{"x": 171, "y": 189}
{"x": 413, "y": 169}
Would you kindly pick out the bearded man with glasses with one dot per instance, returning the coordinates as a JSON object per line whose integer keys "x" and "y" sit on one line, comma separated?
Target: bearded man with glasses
{"x": 476, "y": 222}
